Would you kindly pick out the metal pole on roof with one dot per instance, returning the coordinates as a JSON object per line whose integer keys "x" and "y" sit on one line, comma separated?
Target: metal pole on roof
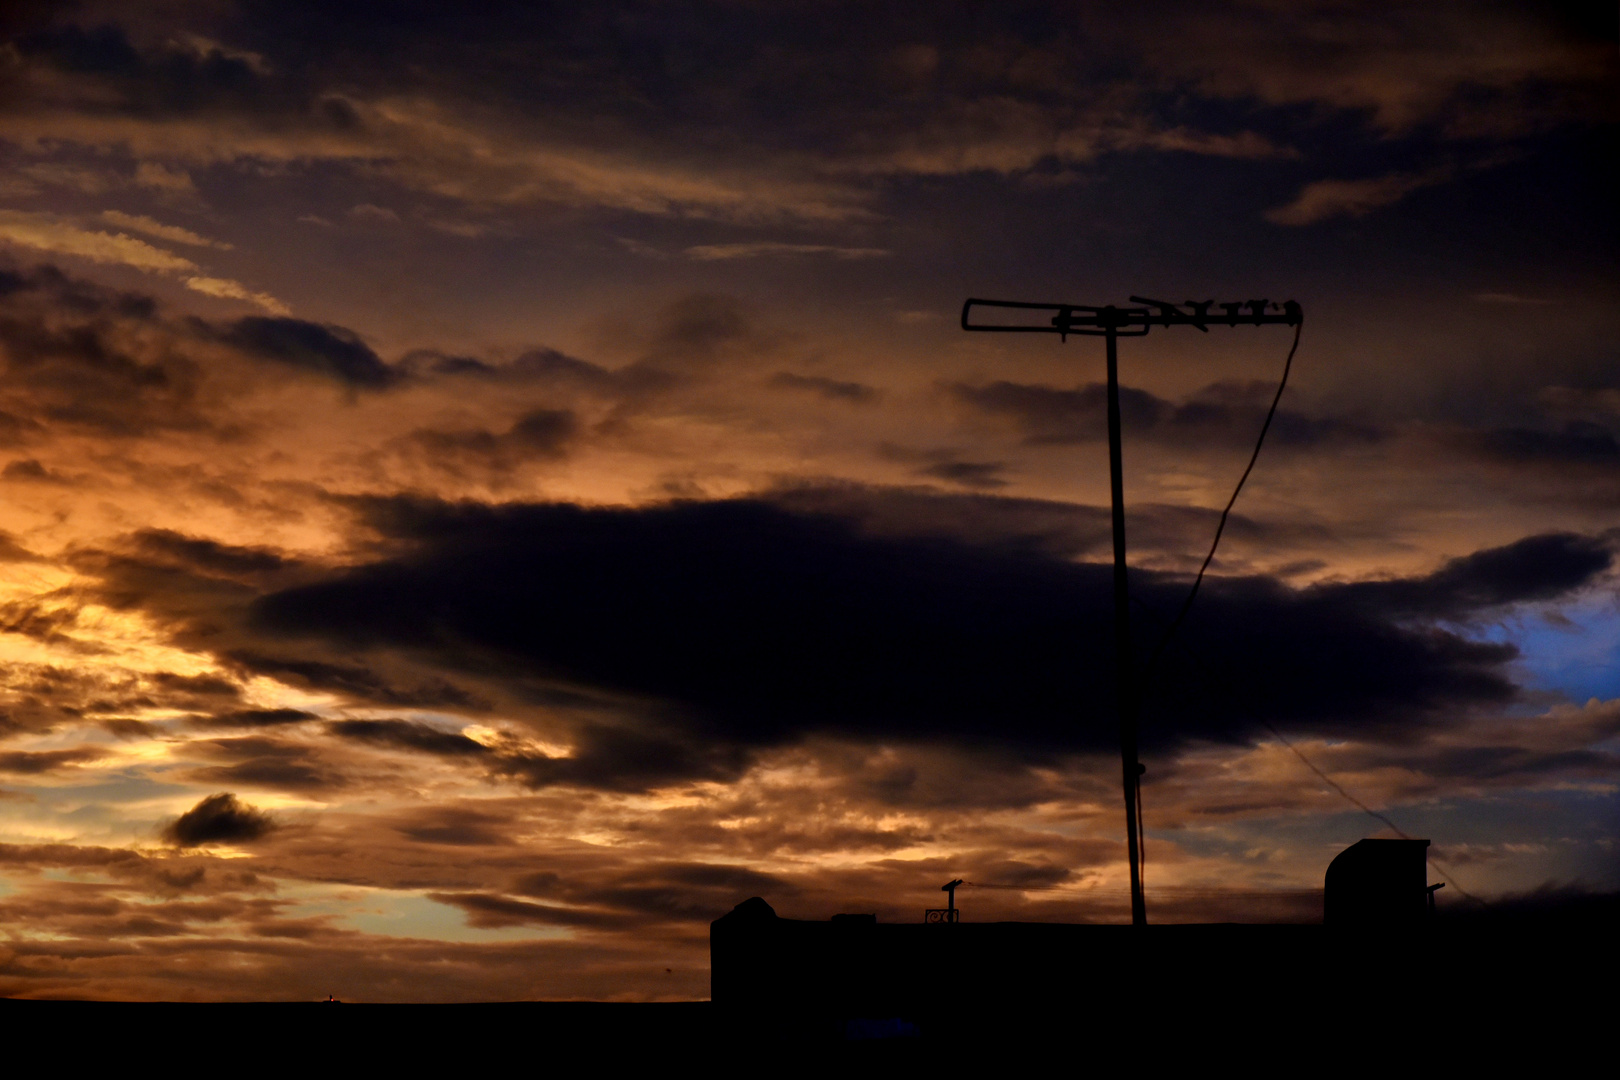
{"x": 1109, "y": 322}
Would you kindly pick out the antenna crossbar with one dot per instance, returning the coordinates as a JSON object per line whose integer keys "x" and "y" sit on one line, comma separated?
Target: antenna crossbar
{"x": 1092, "y": 321}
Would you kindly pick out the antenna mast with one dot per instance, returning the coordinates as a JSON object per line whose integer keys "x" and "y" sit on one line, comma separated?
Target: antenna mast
{"x": 1112, "y": 323}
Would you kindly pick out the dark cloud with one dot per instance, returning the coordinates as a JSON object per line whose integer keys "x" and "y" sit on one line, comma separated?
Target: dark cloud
{"x": 166, "y": 76}
{"x": 1223, "y": 413}
{"x": 272, "y": 773}
{"x": 830, "y": 389}
{"x": 1533, "y": 569}
{"x": 178, "y": 596}
{"x": 31, "y": 763}
{"x": 705, "y": 75}
{"x": 198, "y": 685}
{"x": 696, "y": 331}
{"x": 126, "y": 728}
{"x": 1012, "y": 874}
{"x": 933, "y": 778}
{"x": 543, "y": 432}
{"x": 550, "y": 367}
{"x": 40, "y": 621}
{"x": 541, "y": 367}
{"x": 456, "y": 827}
{"x": 208, "y": 556}
{"x": 1048, "y": 414}
{"x": 332, "y": 351}
{"x": 218, "y": 819}
{"x": 947, "y": 465}
{"x": 1500, "y": 762}
{"x": 1063, "y": 530}
{"x": 252, "y": 718}
{"x": 696, "y": 892}
{"x": 359, "y": 681}
{"x": 81, "y": 357}
{"x": 17, "y": 430}
{"x": 684, "y": 344}
{"x": 200, "y": 590}
{"x": 407, "y": 735}
{"x": 536, "y": 435}
{"x": 1574, "y": 444}
{"x": 1060, "y": 529}
{"x": 30, "y": 470}
{"x": 43, "y": 856}
{"x": 42, "y": 697}
{"x": 489, "y": 911}
{"x": 675, "y": 891}
{"x": 156, "y": 872}
{"x": 1523, "y": 69}
{"x": 265, "y": 763}
{"x": 426, "y": 363}
{"x": 624, "y": 757}
{"x": 743, "y": 625}
{"x": 968, "y": 474}
{"x": 172, "y": 79}
{"x": 75, "y": 296}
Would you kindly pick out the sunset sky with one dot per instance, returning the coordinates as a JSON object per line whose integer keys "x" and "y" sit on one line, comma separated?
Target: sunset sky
{"x": 487, "y": 488}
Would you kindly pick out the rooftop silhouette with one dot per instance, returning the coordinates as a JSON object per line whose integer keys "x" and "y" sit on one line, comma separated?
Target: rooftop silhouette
{"x": 1381, "y": 948}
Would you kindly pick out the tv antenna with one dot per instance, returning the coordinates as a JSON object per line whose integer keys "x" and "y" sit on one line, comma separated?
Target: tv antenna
{"x": 1112, "y": 323}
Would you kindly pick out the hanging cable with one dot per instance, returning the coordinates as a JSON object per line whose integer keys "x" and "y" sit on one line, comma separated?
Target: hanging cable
{"x": 1439, "y": 867}
{"x": 1232, "y": 695}
{"x": 1192, "y": 594}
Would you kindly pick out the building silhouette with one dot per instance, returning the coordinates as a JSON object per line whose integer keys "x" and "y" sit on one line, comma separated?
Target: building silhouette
{"x": 1380, "y": 954}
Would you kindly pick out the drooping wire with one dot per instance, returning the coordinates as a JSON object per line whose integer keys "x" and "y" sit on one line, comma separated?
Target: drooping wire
{"x": 1221, "y": 683}
{"x": 1192, "y": 594}
{"x": 1186, "y": 606}
{"x": 1181, "y": 616}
